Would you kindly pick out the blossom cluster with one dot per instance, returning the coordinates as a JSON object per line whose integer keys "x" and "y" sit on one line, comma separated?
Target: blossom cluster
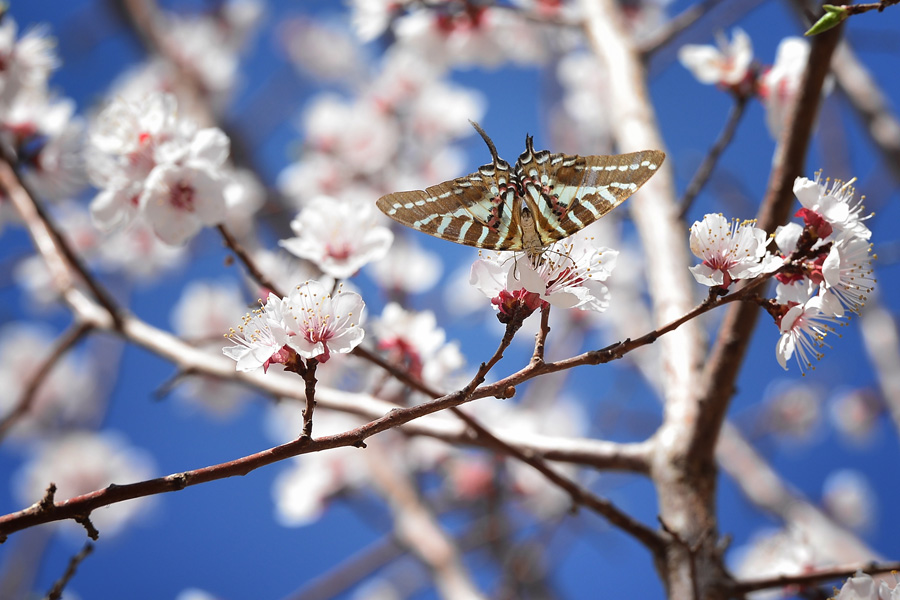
{"x": 310, "y": 323}
{"x": 823, "y": 267}
{"x": 150, "y": 163}
{"x": 568, "y": 274}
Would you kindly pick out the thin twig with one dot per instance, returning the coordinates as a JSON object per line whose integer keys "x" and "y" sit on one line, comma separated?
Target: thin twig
{"x": 540, "y": 338}
{"x": 579, "y": 495}
{"x": 663, "y": 36}
{"x": 248, "y": 262}
{"x": 66, "y": 341}
{"x": 816, "y": 577}
{"x": 309, "y": 376}
{"x": 56, "y": 591}
{"x": 701, "y": 177}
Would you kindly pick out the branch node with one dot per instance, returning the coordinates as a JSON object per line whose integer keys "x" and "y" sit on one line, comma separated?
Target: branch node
{"x": 179, "y": 480}
{"x": 48, "y": 501}
{"x": 85, "y": 521}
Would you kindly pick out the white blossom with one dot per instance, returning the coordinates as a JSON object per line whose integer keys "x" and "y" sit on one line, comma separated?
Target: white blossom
{"x": 339, "y": 237}
{"x": 569, "y": 274}
{"x": 182, "y": 196}
{"x": 415, "y": 340}
{"x": 862, "y": 587}
{"x": 318, "y": 323}
{"x": 27, "y": 61}
{"x": 847, "y": 273}
{"x": 147, "y": 161}
{"x": 728, "y": 64}
{"x": 780, "y": 84}
{"x": 850, "y": 498}
{"x": 260, "y": 339}
{"x": 729, "y": 250}
{"x": 803, "y": 331}
{"x": 835, "y": 203}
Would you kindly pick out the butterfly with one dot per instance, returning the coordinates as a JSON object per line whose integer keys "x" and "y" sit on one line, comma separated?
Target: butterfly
{"x": 542, "y": 199}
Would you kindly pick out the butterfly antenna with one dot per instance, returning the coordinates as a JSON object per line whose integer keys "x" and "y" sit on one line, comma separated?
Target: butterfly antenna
{"x": 529, "y": 144}
{"x": 487, "y": 140}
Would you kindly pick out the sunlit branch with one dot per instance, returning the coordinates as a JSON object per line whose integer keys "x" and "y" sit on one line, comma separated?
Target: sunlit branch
{"x": 814, "y": 577}
{"x": 52, "y": 241}
{"x": 248, "y": 262}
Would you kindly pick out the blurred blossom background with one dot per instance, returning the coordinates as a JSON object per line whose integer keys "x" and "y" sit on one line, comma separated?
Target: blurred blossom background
{"x": 301, "y": 115}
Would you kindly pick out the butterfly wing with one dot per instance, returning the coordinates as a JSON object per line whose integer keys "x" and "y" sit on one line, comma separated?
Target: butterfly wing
{"x": 479, "y": 210}
{"x": 569, "y": 192}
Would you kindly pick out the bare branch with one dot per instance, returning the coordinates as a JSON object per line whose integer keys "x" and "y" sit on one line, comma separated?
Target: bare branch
{"x": 56, "y": 591}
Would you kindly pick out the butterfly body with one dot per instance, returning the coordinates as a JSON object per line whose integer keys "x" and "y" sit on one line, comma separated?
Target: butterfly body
{"x": 542, "y": 199}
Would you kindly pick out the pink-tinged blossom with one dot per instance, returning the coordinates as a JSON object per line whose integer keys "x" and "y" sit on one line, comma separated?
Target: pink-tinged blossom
{"x": 124, "y": 137}
{"x": 569, "y": 274}
{"x": 83, "y": 462}
{"x": 357, "y": 133}
{"x": 465, "y": 34}
{"x": 339, "y": 237}
{"x": 186, "y": 191}
{"x": 261, "y": 339}
{"x": 48, "y": 139}
{"x": 847, "y": 274}
{"x": 414, "y": 340}
{"x": 319, "y": 324}
{"x": 780, "y": 84}
{"x": 148, "y": 162}
{"x": 728, "y": 65}
{"x": 730, "y": 250}
{"x": 322, "y": 50}
{"x": 803, "y": 330}
{"x": 771, "y": 553}
{"x": 834, "y": 201}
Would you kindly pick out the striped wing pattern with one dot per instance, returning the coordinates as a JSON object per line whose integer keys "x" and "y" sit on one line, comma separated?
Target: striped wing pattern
{"x": 569, "y": 192}
{"x": 476, "y": 210}
{"x": 545, "y": 198}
